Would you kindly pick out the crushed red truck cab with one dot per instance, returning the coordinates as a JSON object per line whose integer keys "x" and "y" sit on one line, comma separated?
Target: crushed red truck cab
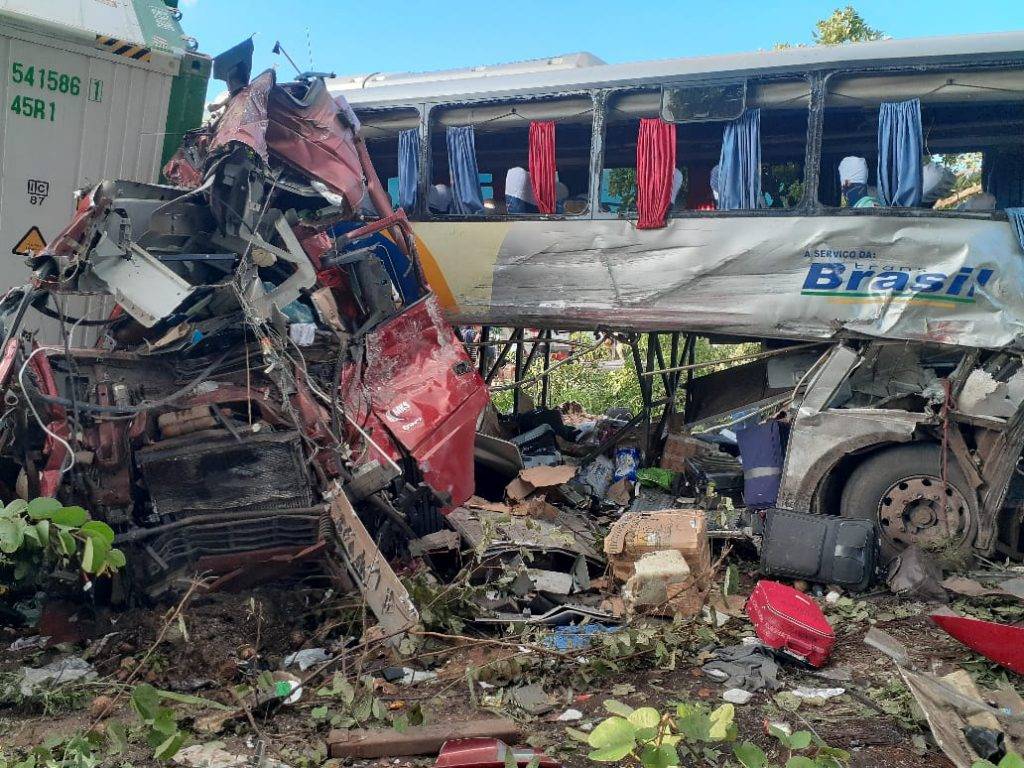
{"x": 271, "y": 375}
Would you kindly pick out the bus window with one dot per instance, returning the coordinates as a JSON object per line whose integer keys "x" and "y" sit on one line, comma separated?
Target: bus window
{"x": 783, "y": 106}
{"x": 501, "y": 137}
{"x": 381, "y": 131}
{"x": 971, "y": 138}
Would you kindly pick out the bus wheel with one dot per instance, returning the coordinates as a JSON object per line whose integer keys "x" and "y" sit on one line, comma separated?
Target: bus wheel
{"x": 901, "y": 489}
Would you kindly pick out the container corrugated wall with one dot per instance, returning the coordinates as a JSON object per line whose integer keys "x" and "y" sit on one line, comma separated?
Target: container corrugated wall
{"x": 72, "y": 116}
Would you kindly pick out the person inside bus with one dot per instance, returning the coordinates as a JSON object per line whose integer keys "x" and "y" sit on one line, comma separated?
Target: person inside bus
{"x": 561, "y": 195}
{"x": 677, "y": 184}
{"x": 853, "y": 179}
{"x": 937, "y": 181}
{"x": 439, "y": 198}
{"x": 714, "y": 184}
{"x": 519, "y": 191}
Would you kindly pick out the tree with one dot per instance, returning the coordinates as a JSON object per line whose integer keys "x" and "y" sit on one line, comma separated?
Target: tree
{"x": 845, "y": 25}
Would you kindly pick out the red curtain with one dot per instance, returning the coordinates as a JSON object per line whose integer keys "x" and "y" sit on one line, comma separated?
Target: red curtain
{"x": 655, "y": 162}
{"x": 542, "y": 164}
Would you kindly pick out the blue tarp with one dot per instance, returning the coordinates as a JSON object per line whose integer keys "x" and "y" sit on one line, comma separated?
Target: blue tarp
{"x": 739, "y": 167}
{"x": 1016, "y": 216}
{"x": 397, "y": 265}
{"x": 408, "y": 168}
{"x": 462, "y": 167}
{"x": 900, "y": 148}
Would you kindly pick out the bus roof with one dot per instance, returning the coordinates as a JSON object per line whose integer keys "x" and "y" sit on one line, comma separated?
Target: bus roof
{"x": 583, "y": 71}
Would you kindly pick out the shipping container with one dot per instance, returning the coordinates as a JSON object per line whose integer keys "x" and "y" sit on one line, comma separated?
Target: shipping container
{"x": 93, "y": 90}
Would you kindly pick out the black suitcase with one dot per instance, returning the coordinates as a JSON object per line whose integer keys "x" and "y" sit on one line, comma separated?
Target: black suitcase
{"x": 819, "y": 548}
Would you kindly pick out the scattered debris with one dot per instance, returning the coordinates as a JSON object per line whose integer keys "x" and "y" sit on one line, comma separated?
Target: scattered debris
{"x": 737, "y": 696}
{"x": 417, "y": 740}
{"x": 1002, "y": 643}
{"x": 489, "y": 753}
{"x": 56, "y": 673}
{"x": 745, "y": 666}
{"x": 915, "y": 574}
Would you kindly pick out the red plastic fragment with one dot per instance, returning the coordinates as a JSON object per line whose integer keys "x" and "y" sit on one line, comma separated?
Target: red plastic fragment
{"x": 1001, "y": 643}
{"x": 487, "y": 753}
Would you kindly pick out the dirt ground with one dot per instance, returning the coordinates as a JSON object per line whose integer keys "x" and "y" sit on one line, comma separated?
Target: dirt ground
{"x": 224, "y": 641}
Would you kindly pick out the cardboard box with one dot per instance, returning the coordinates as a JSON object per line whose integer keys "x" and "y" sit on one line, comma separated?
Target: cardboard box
{"x": 636, "y": 534}
{"x": 678, "y": 448}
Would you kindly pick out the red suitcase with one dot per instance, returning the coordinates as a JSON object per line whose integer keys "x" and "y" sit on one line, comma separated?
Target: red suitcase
{"x": 789, "y": 621}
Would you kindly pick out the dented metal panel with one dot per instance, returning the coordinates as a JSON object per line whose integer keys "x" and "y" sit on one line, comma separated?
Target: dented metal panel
{"x": 936, "y": 279}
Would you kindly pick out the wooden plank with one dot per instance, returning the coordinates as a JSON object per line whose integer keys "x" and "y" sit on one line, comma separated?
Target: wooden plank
{"x": 417, "y": 740}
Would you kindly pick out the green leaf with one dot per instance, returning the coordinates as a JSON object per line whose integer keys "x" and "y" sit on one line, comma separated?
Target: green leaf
{"x": 99, "y": 529}
{"x": 94, "y": 555}
{"x": 116, "y": 559}
{"x": 42, "y": 508}
{"x": 187, "y": 698}
{"x": 800, "y": 740}
{"x": 43, "y": 531}
{"x": 170, "y": 747}
{"x": 577, "y": 735}
{"x": 117, "y": 737}
{"x": 319, "y": 713}
{"x": 731, "y": 583}
{"x": 800, "y": 761}
{"x": 781, "y": 735}
{"x": 612, "y": 740}
{"x": 750, "y": 755}
{"x": 164, "y": 722}
{"x": 30, "y": 533}
{"x": 721, "y": 719}
{"x": 12, "y": 535}
{"x": 68, "y": 545}
{"x": 618, "y": 708}
{"x": 72, "y": 517}
{"x": 664, "y": 756}
{"x": 146, "y": 701}
{"x": 15, "y": 508}
{"x": 645, "y": 717}
{"x": 1012, "y": 760}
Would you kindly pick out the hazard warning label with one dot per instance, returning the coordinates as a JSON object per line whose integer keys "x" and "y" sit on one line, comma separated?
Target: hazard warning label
{"x": 32, "y": 241}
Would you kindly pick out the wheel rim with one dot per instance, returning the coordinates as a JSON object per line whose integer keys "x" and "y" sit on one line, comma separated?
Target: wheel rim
{"x": 921, "y": 510}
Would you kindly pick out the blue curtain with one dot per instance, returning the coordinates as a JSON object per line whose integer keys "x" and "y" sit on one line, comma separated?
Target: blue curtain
{"x": 408, "y": 168}
{"x": 1016, "y": 216}
{"x": 900, "y": 148}
{"x": 462, "y": 168}
{"x": 739, "y": 167}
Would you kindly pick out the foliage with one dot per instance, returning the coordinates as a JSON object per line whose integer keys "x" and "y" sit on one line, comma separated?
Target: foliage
{"x": 597, "y": 382}
{"x": 693, "y": 734}
{"x": 77, "y": 751}
{"x": 845, "y": 25}
{"x": 162, "y": 732}
{"x": 622, "y": 185}
{"x": 41, "y": 534}
{"x": 350, "y": 705}
{"x": 1011, "y": 760}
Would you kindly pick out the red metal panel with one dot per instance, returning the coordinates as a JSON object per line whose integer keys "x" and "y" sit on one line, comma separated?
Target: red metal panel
{"x": 311, "y": 138}
{"x": 418, "y": 388}
{"x": 1002, "y": 643}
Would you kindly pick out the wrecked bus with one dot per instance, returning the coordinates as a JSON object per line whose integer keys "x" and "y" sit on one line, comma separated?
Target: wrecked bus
{"x": 263, "y": 390}
{"x": 865, "y": 197}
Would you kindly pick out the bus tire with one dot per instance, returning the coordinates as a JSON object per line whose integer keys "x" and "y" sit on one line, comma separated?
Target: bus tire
{"x": 900, "y": 489}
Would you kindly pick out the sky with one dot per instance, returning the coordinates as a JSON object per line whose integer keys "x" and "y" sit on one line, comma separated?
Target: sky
{"x": 408, "y": 35}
